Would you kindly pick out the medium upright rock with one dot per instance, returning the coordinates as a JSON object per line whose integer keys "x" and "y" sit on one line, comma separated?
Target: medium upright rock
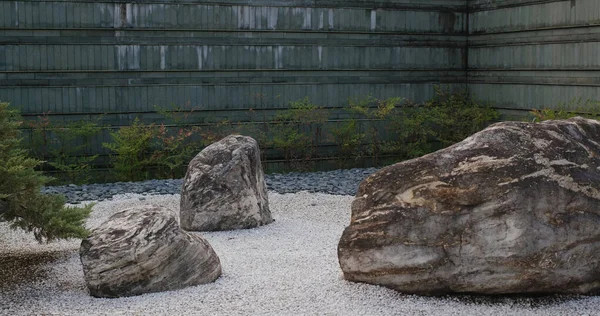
{"x": 514, "y": 208}
{"x": 142, "y": 250}
{"x": 224, "y": 187}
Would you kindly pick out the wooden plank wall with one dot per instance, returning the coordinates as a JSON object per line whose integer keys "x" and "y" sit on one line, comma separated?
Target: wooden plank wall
{"x": 526, "y": 54}
{"x": 78, "y": 59}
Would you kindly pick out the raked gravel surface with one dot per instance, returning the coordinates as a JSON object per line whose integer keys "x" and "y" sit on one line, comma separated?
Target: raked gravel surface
{"x": 288, "y": 267}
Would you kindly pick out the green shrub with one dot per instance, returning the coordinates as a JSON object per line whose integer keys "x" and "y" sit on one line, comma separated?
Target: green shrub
{"x": 175, "y": 146}
{"x": 297, "y": 131}
{"x": 448, "y": 118}
{"x": 348, "y": 139}
{"x": 260, "y": 124}
{"x": 371, "y": 128}
{"x": 63, "y": 147}
{"x": 361, "y": 134}
{"x": 132, "y": 151}
{"x": 456, "y": 115}
{"x": 216, "y": 131}
{"x": 412, "y": 131}
{"x": 173, "y": 150}
{"x": 258, "y": 127}
{"x": 576, "y": 107}
{"x": 21, "y": 202}
{"x": 380, "y": 112}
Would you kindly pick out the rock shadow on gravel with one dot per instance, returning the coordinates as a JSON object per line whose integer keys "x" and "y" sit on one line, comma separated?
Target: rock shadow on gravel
{"x": 23, "y": 268}
{"x": 531, "y": 301}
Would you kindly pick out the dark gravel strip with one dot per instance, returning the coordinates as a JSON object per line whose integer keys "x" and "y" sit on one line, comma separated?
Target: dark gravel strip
{"x": 337, "y": 182}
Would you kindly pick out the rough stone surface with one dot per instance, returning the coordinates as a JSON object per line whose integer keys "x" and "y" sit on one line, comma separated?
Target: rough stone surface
{"x": 514, "y": 208}
{"x": 224, "y": 187}
{"x": 143, "y": 250}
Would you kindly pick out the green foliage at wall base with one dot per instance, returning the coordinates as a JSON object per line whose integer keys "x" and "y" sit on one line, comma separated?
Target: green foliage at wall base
{"x": 577, "y": 107}
{"x": 297, "y": 131}
{"x": 366, "y": 128}
{"x": 131, "y": 146}
{"x": 63, "y": 147}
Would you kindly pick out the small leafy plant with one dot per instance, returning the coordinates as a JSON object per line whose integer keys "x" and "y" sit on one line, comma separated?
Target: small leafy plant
{"x": 576, "y": 107}
{"x": 173, "y": 149}
{"x": 364, "y": 132}
{"x": 64, "y": 147}
{"x": 298, "y": 131}
{"x": 131, "y": 148}
{"x": 259, "y": 124}
{"x": 348, "y": 139}
{"x": 412, "y": 131}
{"x": 174, "y": 146}
{"x": 216, "y": 131}
{"x": 456, "y": 115}
{"x": 449, "y": 117}
{"x": 367, "y": 127}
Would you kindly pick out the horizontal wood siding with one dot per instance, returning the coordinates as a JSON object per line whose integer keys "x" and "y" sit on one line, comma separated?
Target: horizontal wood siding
{"x": 534, "y": 54}
{"x": 77, "y": 59}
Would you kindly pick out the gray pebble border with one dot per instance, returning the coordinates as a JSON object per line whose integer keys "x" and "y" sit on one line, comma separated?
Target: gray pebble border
{"x": 336, "y": 182}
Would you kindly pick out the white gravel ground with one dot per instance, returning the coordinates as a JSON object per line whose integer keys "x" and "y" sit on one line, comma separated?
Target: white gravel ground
{"x": 288, "y": 267}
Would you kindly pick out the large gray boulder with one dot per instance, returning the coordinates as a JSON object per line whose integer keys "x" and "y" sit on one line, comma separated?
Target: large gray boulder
{"x": 514, "y": 208}
{"x": 142, "y": 250}
{"x": 224, "y": 187}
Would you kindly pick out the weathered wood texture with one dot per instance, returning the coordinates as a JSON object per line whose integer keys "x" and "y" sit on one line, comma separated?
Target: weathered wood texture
{"x": 82, "y": 57}
{"x": 77, "y": 58}
{"x": 534, "y": 54}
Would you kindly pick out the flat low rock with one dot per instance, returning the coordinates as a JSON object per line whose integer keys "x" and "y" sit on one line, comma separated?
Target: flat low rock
{"x": 143, "y": 250}
{"x": 512, "y": 209}
{"x": 224, "y": 187}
